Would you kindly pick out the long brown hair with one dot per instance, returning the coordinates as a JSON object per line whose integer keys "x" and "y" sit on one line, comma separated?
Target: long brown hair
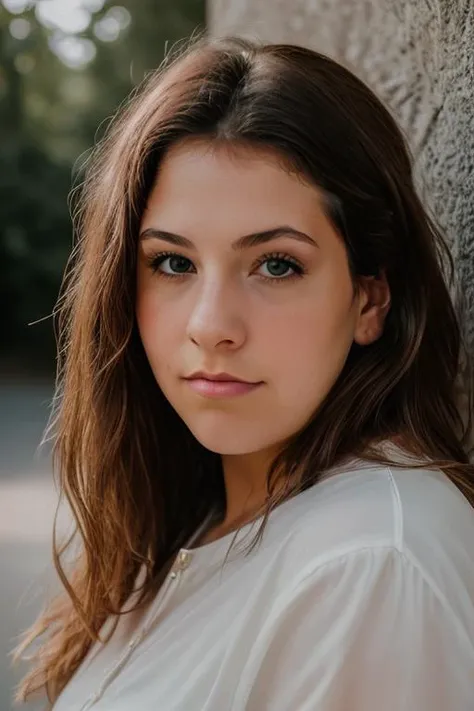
{"x": 136, "y": 479}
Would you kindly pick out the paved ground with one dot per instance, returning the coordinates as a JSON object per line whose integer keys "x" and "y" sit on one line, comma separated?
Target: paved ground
{"x": 27, "y": 506}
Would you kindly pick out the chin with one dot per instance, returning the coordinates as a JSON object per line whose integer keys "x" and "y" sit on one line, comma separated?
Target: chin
{"x": 219, "y": 448}
{"x": 230, "y": 439}
{"x": 230, "y": 444}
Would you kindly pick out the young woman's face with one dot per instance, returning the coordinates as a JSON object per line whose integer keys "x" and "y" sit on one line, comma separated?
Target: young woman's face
{"x": 257, "y": 286}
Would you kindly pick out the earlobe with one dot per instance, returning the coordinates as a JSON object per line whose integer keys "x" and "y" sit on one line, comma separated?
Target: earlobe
{"x": 374, "y": 303}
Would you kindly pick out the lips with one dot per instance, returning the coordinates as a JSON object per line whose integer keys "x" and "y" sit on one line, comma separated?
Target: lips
{"x": 220, "y": 388}
{"x": 218, "y": 377}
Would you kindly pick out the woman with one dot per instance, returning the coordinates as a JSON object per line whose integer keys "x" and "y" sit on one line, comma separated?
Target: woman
{"x": 255, "y": 330}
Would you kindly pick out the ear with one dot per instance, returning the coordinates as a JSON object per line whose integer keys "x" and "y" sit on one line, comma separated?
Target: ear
{"x": 374, "y": 305}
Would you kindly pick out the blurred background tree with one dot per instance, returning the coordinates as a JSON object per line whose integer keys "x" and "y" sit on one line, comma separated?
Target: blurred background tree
{"x": 65, "y": 67}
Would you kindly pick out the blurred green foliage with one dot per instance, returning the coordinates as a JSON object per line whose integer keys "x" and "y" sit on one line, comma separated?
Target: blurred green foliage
{"x": 52, "y": 110}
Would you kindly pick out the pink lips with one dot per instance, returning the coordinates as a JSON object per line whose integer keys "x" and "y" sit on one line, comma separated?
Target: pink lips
{"x": 219, "y": 388}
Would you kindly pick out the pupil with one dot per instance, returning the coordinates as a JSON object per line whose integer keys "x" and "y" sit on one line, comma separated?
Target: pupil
{"x": 178, "y": 264}
{"x": 277, "y": 265}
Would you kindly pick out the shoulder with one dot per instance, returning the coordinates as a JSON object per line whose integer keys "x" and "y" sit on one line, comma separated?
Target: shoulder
{"x": 372, "y": 577}
{"x": 401, "y": 520}
{"x": 366, "y": 504}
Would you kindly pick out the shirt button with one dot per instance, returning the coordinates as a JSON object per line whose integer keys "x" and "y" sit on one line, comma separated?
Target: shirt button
{"x": 184, "y": 559}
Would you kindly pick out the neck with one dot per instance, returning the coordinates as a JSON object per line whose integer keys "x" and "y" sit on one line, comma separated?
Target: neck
{"x": 245, "y": 479}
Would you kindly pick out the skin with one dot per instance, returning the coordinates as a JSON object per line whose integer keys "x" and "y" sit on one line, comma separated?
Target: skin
{"x": 292, "y": 333}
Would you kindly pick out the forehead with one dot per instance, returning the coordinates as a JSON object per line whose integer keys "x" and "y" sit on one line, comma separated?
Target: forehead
{"x": 233, "y": 189}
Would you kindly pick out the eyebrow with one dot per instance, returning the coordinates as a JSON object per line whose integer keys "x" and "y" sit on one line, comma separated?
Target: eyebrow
{"x": 247, "y": 241}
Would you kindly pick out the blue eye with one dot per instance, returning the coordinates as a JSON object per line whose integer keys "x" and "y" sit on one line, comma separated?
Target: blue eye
{"x": 176, "y": 262}
{"x": 277, "y": 263}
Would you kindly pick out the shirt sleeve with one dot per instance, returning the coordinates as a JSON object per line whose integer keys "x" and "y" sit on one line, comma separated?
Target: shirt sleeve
{"x": 365, "y": 632}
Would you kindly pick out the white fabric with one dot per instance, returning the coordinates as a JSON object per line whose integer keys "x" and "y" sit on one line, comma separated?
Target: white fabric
{"x": 359, "y": 598}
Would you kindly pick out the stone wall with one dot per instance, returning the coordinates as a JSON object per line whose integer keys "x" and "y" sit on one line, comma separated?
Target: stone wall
{"x": 418, "y": 55}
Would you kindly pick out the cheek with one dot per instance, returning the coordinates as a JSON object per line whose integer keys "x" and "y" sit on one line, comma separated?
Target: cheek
{"x": 154, "y": 329}
{"x": 313, "y": 347}
{"x": 146, "y": 317}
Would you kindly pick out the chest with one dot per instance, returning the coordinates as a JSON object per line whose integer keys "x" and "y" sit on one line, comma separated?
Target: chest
{"x": 196, "y": 654}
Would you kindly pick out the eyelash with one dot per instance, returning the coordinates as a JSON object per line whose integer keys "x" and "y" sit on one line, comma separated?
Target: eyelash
{"x": 157, "y": 259}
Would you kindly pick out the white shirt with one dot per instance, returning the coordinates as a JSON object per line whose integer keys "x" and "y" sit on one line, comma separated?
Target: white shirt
{"x": 360, "y": 597}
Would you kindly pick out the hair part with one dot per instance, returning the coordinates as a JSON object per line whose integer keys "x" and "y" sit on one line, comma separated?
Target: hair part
{"x": 116, "y": 437}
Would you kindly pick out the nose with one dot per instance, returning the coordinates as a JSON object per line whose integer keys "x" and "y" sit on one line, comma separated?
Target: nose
{"x": 217, "y": 318}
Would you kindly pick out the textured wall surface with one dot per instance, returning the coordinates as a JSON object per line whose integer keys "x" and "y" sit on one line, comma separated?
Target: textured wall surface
{"x": 418, "y": 55}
